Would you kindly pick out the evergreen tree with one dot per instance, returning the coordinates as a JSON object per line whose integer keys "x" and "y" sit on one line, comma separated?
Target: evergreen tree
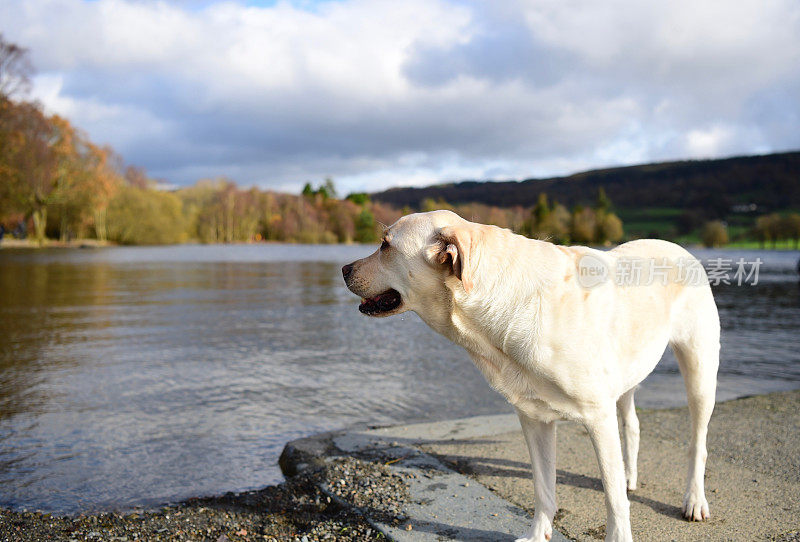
{"x": 603, "y": 203}
{"x": 540, "y": 212}
{"x": 365, "y": 227}
{"x": 328, "y": 189}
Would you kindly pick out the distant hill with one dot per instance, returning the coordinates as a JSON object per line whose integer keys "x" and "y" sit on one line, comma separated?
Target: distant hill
{"x": 679, "y": 194}
{"x": 770, "y": 181}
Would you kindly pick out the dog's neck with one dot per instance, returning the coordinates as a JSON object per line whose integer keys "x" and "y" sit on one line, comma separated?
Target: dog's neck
{"x": 505, "y": 290}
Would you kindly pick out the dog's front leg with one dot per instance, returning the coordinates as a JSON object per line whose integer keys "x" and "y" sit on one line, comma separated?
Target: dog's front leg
{"x": 541, "y": 440}
{"x": 630, "y": 436}
{"x": 604, "y": 432}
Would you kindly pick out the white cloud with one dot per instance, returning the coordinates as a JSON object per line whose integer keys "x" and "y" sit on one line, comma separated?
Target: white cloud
{"x": 708, "y": 142}
{"x": 379, "y": 93}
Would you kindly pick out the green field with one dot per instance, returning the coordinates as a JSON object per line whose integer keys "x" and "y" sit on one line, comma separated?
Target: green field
{"x": 652, "y": 222}
{"x": 666, "y": 222}
{"x": 785, "y": 244}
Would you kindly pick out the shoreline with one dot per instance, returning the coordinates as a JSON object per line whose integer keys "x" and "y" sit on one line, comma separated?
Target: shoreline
{"x": 54, "y": 243}
{"x": 295, "y": 510}
{"x": 28, "y": 243}
{"x": 300, "y": 507}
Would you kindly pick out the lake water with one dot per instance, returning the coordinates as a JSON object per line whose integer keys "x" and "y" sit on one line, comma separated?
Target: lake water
{"x": 138, "y": 376}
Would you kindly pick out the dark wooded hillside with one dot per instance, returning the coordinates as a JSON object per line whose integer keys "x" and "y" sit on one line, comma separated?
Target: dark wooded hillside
{"x": 714, "y": 187}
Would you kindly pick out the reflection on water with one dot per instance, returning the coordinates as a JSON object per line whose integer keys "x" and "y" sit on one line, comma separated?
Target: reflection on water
{"x": 136, "y": 376}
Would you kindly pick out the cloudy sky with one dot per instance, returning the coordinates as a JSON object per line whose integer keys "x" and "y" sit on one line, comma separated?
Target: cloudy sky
{"x": 379, "y": 93}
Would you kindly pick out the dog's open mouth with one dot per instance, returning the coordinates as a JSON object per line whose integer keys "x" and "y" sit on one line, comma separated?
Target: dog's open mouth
{"x": 382, "y": 303}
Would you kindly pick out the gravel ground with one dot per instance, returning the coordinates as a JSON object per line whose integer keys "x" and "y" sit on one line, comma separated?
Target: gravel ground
{"x": 296, "y": 510}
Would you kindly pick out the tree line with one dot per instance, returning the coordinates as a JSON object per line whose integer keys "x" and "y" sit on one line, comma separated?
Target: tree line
{"x": 769, "y": 229}
{"x": 58, "y": 183}
{"x": 774, "y": 227}
{"x": 584, "y": 224}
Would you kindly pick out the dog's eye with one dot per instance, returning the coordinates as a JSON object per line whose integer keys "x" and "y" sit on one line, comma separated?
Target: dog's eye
{"x": 384, "y": 244}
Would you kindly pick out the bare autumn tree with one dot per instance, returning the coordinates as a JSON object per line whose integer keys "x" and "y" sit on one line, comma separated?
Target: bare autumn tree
{"x": 792, "y": 228}
{"x": 584, "y": 225}
{"x": 91, "y": 184}
{"x": 29, "y": 162}
{"x": 15, "y": 70}
{"x": 715, "y": 234}
{"x": 767, "y": 228}
{"x": 610, "y": 229}
{"x": 48, "y": 169}
{"x": 136, "y": 176}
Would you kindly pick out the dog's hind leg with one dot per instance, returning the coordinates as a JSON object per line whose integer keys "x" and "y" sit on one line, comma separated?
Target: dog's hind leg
{"x": 630, "y": 436}
{"x": 541, "y": 440}
{"x": 698, "y": 360}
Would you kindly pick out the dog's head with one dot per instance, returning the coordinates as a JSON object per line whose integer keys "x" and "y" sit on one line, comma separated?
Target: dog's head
{"x": 421, "y": 256}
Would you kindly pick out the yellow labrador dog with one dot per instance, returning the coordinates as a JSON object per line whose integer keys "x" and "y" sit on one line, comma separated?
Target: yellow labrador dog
{"x": 561, "y": 333}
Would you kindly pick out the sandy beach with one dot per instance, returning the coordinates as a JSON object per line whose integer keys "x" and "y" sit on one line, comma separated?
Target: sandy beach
{"x": 752, "y": 480}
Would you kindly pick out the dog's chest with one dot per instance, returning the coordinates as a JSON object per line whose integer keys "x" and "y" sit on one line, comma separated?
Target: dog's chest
{"x": 508, "y": 355}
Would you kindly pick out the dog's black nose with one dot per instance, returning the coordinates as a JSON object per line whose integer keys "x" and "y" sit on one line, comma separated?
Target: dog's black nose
{"x": 346, "y": 270}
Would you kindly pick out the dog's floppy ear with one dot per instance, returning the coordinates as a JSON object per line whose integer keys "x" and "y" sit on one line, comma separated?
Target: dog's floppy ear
{"x": 454, "y": 248}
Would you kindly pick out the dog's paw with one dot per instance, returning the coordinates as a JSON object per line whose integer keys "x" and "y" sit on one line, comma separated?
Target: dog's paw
{"x": 695, "y": 507}
{"x": 540, "y": 531}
